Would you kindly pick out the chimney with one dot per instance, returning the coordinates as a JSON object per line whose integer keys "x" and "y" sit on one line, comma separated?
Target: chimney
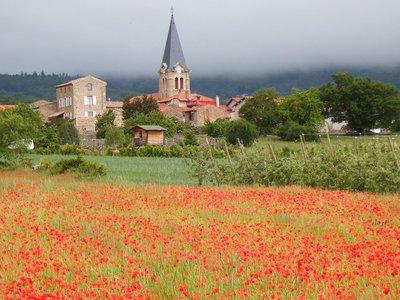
{"x": 217, "y": 101}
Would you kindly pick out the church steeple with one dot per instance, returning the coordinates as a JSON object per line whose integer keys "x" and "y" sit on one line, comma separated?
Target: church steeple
{"x": 173, "y": 53}
{"x": 174, "y": 74}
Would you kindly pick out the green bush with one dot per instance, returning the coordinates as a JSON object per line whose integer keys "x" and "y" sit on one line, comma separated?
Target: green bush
{"x": 68, "y": 149}
{"x": 78, "y": 167}
{"x": 153, "y": 151}
{"x": 190, "y": 138}
{"x": 176, "y": 150}
{"x": 291, "y": 131}
{"x": 109, "y": 151}
{"x": 242, "y": 130}
{"x": 218, "y": 128}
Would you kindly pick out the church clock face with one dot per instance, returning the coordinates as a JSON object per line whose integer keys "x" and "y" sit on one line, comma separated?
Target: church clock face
{"x": 178, "y": 69}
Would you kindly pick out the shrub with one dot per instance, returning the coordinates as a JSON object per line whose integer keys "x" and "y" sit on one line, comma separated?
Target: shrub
{"x": 114, "y": 136}
{"x": 242, "y": 130}
{"x": 78, "y": 167}
{"x": 153, "y": 151}
{"x": 190, "y": 138}
{"x": 291, "y": 131}
{"x": 176, "y": 150}
{"x": 218, "y": 128}
{"x": 68, "y": 149}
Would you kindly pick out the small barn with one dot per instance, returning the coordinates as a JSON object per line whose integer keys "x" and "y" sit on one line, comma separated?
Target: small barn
{"x": 148, "y": 135}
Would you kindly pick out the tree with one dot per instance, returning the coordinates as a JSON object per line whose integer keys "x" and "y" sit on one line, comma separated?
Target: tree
{"x": 103, "y": 122}
{"x": 114, "y": 136}
{"x": 300, "y": 113}
{"x": 143, "y": 104}
{"x": 67, "y": 132}
{"x": 243, "y": 130}
{"x": 217, "y": 128}
{"x": 261, "y": 110}
{"x": 18, "y": 125}
{"x": 303, "y": 108}
{"x": 153, "y": 118}
{"x": 361, "y": 102}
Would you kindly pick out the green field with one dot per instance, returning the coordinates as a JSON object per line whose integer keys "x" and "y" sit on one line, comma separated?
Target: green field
{"x": 138, "y": 169}
{"x": 176, "y": 172}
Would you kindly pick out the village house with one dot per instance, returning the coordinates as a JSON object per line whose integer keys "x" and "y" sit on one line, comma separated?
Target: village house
{"x": 234, "y": 105}
{"x": 81, "y": 100}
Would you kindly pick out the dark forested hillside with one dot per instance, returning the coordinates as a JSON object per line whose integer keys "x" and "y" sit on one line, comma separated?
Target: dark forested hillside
{"x": 30, "y": 87}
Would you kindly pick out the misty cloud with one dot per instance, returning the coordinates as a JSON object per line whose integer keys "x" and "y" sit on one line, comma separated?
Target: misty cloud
{"x": 218, "y": 37}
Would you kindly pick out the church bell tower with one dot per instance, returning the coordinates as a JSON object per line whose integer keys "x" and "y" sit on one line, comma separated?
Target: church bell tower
{"x": 173, "y": 73}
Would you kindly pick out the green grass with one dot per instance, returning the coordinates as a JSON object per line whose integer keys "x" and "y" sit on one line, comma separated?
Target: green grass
{"x": 138, "y": 169}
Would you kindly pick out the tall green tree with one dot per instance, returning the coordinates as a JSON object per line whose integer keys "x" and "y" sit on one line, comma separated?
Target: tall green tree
{"x": 142, "y": 104}
{"x": 67, "y": 132}
{"x": 301, "y": 114}
{"x": 115, "y": 136}
{"x": 362, "y": 102}
{"x": 303, "y": 108}
{"x": 19, "y": 124}
{"x": 103, "y": 122}
{"x": 262, "y": 110}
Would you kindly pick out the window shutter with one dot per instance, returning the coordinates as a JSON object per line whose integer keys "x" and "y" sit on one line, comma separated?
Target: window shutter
{"x": 85, "y": 100}
{"x": 94, "y": 113}
{"x": 86, "y": 113}
{"x": 94, "y": 100}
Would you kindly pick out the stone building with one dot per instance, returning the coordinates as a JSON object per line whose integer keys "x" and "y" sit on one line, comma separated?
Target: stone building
{"x": 81, "y": 100}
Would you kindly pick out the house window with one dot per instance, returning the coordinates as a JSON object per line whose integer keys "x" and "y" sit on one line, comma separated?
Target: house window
{"x": 90, "y": 113}
{"x": 176, "y": 83}
{"x": 90, "y": 100}
{"x": 68, "y": 115}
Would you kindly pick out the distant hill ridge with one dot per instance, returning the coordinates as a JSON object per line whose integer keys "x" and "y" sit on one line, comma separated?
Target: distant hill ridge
{"x": 31, "y": 87}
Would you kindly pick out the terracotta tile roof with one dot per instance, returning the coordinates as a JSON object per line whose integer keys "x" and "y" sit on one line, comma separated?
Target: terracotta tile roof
{"x": 194, "y": 99}
{"x": 180, "y": 97}
{"x": 164, "y": 107}
{"x": 153, "y": 95}
{"x": 224, "y": 107}
{"x": 114, "y": 104}
{"x": 202, "y": 98}
{"x": 5, "y": 106}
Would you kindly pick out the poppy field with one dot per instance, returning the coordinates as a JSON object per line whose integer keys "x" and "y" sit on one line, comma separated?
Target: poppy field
{"x": 66, "y": 239}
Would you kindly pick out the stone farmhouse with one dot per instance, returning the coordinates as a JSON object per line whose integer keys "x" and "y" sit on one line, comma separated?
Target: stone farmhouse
{"x": 80, "y": 100}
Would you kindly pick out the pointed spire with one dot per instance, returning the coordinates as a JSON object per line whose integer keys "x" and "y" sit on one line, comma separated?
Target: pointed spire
{"x": 173, "y": 52}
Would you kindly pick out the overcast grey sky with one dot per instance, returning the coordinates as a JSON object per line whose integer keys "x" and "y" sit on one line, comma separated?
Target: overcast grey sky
{"x": 127, "y": 37}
